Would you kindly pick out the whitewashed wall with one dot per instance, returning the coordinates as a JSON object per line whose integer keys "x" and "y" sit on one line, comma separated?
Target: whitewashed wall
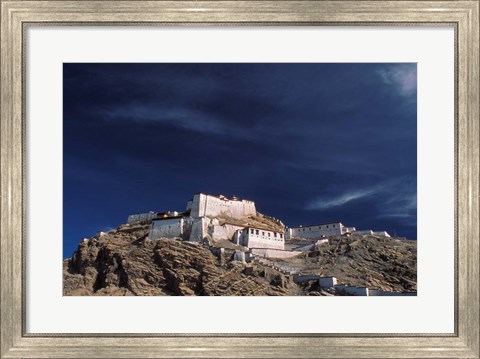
{"x": 199, "y": 229}
{"x": 225, "y": 231}
{"x": 133, "y": 218}
{"x": 314, "y": 232}
{"x": 167, "y": 228}
{"x": 261, "y": 238}
{"x": 211, "y": 206}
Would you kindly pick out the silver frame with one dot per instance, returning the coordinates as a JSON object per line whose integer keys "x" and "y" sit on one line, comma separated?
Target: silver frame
{"x": 17, "y": 15}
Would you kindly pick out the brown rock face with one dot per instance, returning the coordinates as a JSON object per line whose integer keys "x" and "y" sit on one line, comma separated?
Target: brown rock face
{"x": 123, "y": 262}
{"x": 389, "y": 264}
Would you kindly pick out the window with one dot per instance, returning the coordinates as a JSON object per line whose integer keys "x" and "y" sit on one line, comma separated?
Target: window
{"x": 263, "y": 233}
{"x": 310, "y": 229}
{"x": 275, "y": 235}
{"x": 333, "y": 226}
{"x": 327, "y": 225}
{"x": 256, "y": 231}
{"x": 269, "y": 234}
{"x": 281, "y": 235}
{"x": 251, "y": 231}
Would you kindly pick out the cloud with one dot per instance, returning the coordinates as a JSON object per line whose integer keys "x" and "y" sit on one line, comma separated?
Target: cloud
{"x": 396, "y": 199}
{"x": 402, "y": 77}
{"x": 341, "y": 199}
{"x": 401, "y": 207}
{"x": 180, "y": 117}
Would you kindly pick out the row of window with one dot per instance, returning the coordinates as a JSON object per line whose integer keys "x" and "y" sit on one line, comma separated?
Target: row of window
{"x": 319, "y": 227}
{"x": 257, "y": 232}
{"x": 267, "y": 239}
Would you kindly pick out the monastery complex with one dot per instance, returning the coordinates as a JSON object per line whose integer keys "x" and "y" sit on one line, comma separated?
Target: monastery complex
{"x": 218, "y": 218}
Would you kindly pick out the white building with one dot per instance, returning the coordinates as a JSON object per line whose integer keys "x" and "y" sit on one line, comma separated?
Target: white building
{"x": 259, "y": 238}
{"x": 318, "y": 230}
{"x": 199, "y": 221}
{"x": 204, "y": 205}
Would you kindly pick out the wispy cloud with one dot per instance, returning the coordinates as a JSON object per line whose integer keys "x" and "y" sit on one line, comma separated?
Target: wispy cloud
{"x": 401, "y": 207}
{"x": 181, "y": 117}
{"x": 393, "y": 199}
{"x": 339, "y": 200}
{"x": 402, "y": 77}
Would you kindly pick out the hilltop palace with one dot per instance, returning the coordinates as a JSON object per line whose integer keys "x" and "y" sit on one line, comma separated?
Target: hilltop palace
{"x": 216, "y": 218}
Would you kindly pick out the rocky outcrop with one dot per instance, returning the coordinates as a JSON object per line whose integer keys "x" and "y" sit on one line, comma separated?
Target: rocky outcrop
{"x": 388, "y": 264}
{"x": 125, "y": 262}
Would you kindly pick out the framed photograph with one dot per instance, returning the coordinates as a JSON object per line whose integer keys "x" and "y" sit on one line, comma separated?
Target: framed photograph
{"x": 239, "y": 179}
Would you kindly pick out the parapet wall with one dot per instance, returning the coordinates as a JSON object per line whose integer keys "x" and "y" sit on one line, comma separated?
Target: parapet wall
{"x": 261, "y": 238}
{"x": 167, "y": 228}
{"x": 203, "y": 205}
{"x": 138, "y": 217}
{"x": 315, "y": 232}
{"x": 224, "y": 231}
{"x": 273, "y": 253}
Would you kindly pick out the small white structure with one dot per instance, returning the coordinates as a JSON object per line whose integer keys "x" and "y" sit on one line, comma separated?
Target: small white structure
{"x": 372, "y": 233}
{"x": 260, "y": 238}
{"x": 317, "y": 231}
{"x": 204, "y": 205}
{"x": 381, "y": 234}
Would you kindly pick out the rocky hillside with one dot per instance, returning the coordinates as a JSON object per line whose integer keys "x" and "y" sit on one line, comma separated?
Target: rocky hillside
{"x": 383, "y": 263}
{"x": 259, "y": 221}
{"x": 125, "y": 262}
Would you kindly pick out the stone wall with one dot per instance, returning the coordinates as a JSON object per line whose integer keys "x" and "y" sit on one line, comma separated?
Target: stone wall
{"x": 381, "y": 234}
{"x": 167, "y": 228}
{"x": 203, "y": 205}
{"x": 327, "y": 282}
{"x": 355, "y": 291}
{"x": 224, "y": 231}
{"x": 378, "y": 292}
{"x": 317, "y": 231}
{"x": 302, "y": 278}
{"x": 273, "y": 253}
{"x": 199, "y": 229}
{"x": 138, "y": 217}
{"x": 372, "y": 233}
{"x": 261, "y": 238}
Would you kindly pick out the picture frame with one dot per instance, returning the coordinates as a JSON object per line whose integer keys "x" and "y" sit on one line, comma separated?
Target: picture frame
{"x": 17, "y": 15}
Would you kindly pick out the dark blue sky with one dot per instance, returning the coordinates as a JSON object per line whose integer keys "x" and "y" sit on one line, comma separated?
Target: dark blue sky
{"x": 309, "y": 143}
